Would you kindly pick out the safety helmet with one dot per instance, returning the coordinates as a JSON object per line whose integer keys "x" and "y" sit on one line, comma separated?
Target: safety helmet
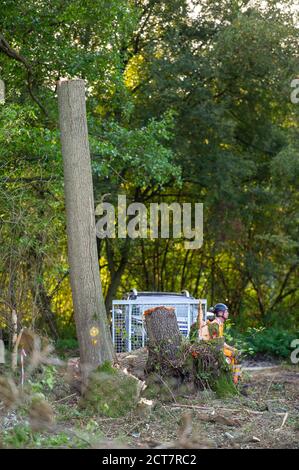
{"x": 220, "y": 308}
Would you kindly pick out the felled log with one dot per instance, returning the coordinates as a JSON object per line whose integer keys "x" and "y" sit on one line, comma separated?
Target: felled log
{"x": 164, "y": 339}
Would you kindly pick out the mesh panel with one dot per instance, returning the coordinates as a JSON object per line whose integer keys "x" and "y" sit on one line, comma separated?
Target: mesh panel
{"x": 128, "y": 330}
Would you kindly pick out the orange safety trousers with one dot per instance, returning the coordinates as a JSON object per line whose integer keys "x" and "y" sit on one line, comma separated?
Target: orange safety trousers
{"x": 235, "y": 367}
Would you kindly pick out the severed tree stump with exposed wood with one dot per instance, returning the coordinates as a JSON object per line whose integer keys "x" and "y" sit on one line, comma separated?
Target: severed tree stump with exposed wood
{"x": 182, "y": 366}
{"x": 164, "y": 338}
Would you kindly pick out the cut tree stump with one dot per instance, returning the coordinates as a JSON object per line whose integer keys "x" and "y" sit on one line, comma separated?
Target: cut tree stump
{"x": 164, "y": 339}
{"x": 177, "y": 367}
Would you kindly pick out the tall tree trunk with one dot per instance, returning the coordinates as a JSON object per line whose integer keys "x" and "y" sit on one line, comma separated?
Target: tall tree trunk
{"x": 116, "y": 269}
{"x": 40, "y": 296}
{"x": 90, "y": 315}
{"x": 183, "y": 276}
{"x": 43, "y": 303}
{"x": 144, "y": 265}
{"x": 213, "y": 277}
{"x": 164, "y": 265}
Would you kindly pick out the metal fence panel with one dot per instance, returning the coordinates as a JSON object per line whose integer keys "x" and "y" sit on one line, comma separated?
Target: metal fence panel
{"x": 128, "y": 330}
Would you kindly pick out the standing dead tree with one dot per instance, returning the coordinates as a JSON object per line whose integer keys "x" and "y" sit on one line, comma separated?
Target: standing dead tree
{"x": 90, "y": 315}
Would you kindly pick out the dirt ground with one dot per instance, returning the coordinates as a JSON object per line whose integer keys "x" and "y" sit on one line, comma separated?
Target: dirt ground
{"x": 264, "y": 415}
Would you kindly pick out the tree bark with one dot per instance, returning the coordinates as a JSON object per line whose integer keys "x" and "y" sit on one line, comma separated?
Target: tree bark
{"x": 182, "y": 367}
{"x": 90, "y": 315}
{"x": 40, "y": 296}
{"x": 43, "y": 302}
{"x": 164, "y": 338}
{"x": 116, "y": 270}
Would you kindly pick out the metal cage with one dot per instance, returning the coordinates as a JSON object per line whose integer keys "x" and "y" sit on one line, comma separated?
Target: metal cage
{"x": 128, "y": 331}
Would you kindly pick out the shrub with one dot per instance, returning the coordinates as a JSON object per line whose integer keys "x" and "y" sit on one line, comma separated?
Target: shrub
{"x": 272, "y": 342}
{"x": 63, "y": 344}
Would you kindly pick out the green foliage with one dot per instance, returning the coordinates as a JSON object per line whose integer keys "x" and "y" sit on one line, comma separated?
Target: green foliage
{"x": 66, "y": 413}
{"x": 107, "y": 368}
{"x": 21, "y": 436}
{"x": 45, "y": 382}
{"x": 211, "y": 370}
{"x": 193, "y": 334}
{"x": 63, "y": 344}
{"x": 224, "y": 386}
{"x": 213, "y": 330}
{"x": 143, "y": 152}
{"x": 185, "y": 107}
{"x": 200, "y": 365}
{"x": 111, "y": 392}
{"x": 271, "y": 342}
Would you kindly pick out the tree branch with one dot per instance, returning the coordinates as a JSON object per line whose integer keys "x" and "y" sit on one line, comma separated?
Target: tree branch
{"x": 13, "y": 54}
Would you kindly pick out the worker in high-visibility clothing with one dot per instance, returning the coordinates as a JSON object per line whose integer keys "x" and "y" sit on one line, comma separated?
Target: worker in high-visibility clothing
{"x": 208, "y": 330}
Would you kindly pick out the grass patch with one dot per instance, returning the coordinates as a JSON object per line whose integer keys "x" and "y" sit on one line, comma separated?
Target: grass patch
{"x": 111, "y": 392}
{"x": 22, "y": 436}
